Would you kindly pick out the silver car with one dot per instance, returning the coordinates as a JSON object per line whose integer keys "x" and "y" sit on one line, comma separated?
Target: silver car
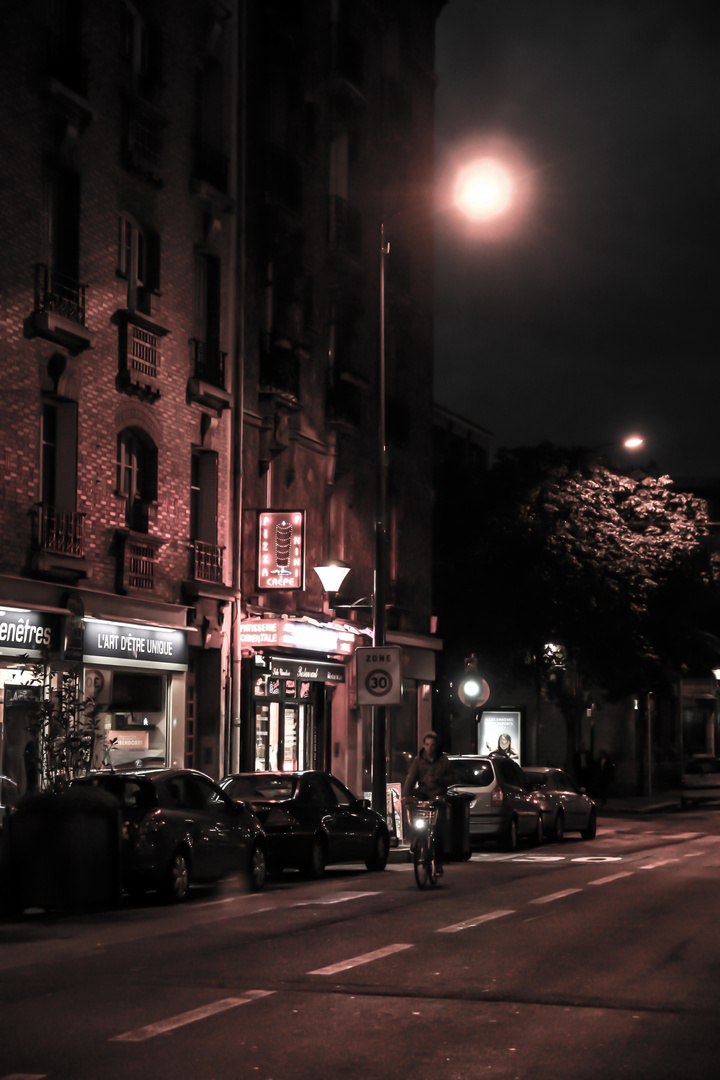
{"x": 503, "y": 806}
{"x": 565, "y": 806}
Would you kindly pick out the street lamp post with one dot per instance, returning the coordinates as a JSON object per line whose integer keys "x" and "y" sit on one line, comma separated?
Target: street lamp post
{"x": 379, "y": 723}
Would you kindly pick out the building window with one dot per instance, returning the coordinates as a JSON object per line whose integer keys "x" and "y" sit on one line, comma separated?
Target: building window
{"x": 59, "y": 285}
{"x": 208, "y": 561}
{"x": 135, "y": 39}
{"x": 208, "y": 360}
{"x": 136, "y": 476}
{"x": 60, "y": 526}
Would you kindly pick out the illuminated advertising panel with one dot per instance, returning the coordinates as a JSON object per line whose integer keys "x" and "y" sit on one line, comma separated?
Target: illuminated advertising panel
{"x": 499, "y": 732}
{"x": 281, "y": 549}
{"x": 294, "y": 634}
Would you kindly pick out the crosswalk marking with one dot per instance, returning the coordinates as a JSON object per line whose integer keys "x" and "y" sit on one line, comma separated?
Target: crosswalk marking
{"x": 150, "y": 1030}
{"x": 355, "y": 961}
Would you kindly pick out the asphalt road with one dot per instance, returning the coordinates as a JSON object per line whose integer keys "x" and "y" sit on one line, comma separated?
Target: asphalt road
{"x": 586, "y": 959}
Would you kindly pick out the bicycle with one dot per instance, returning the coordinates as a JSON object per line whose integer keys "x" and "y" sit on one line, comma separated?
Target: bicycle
{"x": 423, "y": 822}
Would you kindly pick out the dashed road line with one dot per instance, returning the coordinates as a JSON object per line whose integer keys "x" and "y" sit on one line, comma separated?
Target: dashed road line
{"x": 468, "y": 923}
{"x": 335, "y": 899}
{"x": 356, "y": 961}
{"x": 554, "y": 896}
{"x": 172, "y": 1022}
{"x": 24, "y": 1076}
{"x": 660, "y": 862}
{"x": 612, "y": 877}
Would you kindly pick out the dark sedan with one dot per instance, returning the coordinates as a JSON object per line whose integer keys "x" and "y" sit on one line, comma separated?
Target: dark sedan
{"x": 565, "y": 807}
{"x": 311, "y": 819}
{"x": 179, "y": 828}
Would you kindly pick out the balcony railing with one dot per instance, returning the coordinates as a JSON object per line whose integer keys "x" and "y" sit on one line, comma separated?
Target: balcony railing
{"x": 143, "y": 352}
{"x": 208, "y": 363}
{"x": 139, "y": 566}
{"x": 344, "y": 227}
{"x": 61, "y": 531}
{"x": 207, "y": 562}
{"x": 60, "y": 294}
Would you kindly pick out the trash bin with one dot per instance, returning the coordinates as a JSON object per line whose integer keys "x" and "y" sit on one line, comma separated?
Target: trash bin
{"x": 457, "y": 836}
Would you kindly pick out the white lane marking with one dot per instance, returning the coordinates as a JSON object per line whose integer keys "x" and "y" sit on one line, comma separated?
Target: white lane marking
{"x": 598, "y": 858}
{"x": 335, "y": 899}
{"x": 612, "y": 877}
{"x": 148, "y": 1032}
{"x": 24, "y": 1076}
{"x": 554, "y": 896}
{"x": 681, "y": 836}
{"x": 355, "y": 961}
{"x": 540, "y": 858}
{"x": 660, "y": 862}
{"x": 473, "y": 922}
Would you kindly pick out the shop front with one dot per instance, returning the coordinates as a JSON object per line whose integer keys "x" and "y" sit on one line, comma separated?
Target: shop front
{"x": 134, "y": 675}
{"x": 291, "y": 671}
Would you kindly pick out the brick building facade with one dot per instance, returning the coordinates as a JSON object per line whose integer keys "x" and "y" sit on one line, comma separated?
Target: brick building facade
{"x": 192, "y": 199}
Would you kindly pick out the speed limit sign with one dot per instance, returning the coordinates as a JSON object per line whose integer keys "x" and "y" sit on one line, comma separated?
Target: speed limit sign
{"x": 379, "y": 675}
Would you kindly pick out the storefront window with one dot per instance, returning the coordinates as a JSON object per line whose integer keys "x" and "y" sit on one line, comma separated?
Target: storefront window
{"x": 133, "y": 715}
{"x": 284, "y": 726}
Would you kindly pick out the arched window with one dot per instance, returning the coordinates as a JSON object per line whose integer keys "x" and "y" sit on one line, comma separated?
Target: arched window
{"x": 136, "y": 476}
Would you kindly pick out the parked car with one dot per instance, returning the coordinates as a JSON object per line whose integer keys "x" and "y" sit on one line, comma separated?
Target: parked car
{"x": 700, "y": 780}
{"x": 180, "y": 828}
{"x": 504, "y": 807}
{"x": 8, "y": 797}
{"x": 311, "y": 819}
{"x": 565, "y": 806}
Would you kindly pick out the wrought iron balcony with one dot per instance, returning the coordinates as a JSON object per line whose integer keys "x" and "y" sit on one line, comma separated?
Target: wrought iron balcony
{"x": 208, "y": 363}
{"x": 59, "y": 294}
{"x": 207, "y": 562}
{"x": 61, "y": 531}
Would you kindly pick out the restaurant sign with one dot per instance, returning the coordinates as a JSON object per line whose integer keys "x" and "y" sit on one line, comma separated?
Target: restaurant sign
{"x": 306, "y": 670}
{"x": 295, "y": 634}
{"x": 281, "y": 549}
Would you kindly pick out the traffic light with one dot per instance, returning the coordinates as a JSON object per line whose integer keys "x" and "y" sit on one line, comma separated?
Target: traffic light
{"x": 473, "y": 691}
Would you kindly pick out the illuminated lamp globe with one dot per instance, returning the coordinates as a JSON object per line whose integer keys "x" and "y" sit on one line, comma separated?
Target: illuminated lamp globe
{"x": 332, "y": 574}
{"x": 484, "y": 190}
{"x": 633, "y": 442}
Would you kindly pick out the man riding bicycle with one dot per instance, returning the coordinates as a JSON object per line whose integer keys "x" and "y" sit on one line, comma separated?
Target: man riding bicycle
{"x": 432, "y": 774}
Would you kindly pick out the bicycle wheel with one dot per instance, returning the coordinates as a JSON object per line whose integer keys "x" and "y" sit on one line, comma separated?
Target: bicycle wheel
{"x": 424, "y": 865}
{"x": 421, "y": 864}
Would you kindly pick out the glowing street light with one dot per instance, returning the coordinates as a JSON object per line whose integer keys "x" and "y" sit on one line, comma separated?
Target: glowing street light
{"x": 484, "y": 189}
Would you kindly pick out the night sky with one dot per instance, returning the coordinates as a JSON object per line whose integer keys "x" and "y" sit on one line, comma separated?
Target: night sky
{"x": 591, "y": 309}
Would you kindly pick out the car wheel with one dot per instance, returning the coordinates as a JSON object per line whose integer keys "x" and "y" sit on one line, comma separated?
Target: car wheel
{"x": 258, "y": 868}
{"x": 559, "y": 827}
{"x": 315, "y": 867}
{"x": 588, "y": 833}
{"x": 177, "y": 878}
{"x": 379, "y": 857}
{"x": 511, "y": 836}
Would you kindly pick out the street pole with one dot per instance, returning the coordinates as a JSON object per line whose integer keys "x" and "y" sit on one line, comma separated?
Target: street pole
{"x": 379, "y": 780}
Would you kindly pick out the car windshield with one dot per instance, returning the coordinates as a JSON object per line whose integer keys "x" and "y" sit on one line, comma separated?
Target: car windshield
{"x": 474, "y": 773}
{"x": 265, "y": 786}
{"x": 537, "y": 780}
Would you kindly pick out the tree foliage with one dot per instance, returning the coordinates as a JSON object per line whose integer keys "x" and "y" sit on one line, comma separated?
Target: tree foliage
{"x": 612, "y": 568}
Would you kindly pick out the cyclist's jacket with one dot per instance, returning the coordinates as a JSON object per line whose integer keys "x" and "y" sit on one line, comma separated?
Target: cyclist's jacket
{"x": 432, "y": 777}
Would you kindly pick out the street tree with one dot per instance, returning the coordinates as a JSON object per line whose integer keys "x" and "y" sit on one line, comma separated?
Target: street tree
{"x": 580, "y": 567}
